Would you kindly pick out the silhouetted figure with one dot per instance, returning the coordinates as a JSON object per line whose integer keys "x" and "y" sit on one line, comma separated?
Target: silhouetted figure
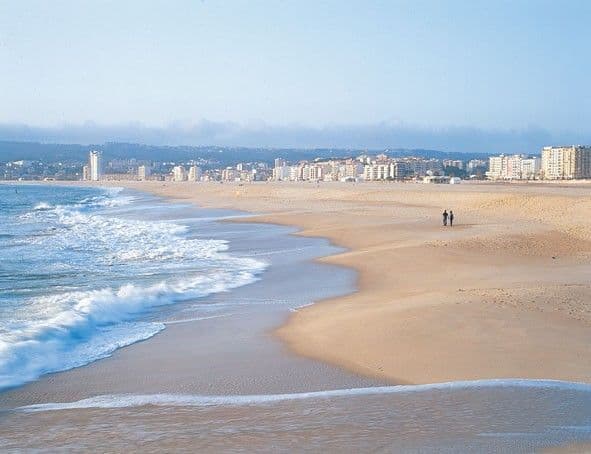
{"x": 451, "y": 218}
{"x": 445, "y": 215}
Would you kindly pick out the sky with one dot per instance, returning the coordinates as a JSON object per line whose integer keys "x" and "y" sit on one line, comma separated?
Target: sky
{"x": 459, "y": 74}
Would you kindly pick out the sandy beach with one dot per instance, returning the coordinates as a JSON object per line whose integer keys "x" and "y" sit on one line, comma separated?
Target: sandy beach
{"x": 504, "y": 293}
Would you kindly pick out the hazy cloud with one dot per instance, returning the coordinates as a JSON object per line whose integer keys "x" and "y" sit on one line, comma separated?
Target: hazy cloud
{"x": 377, "y": 136}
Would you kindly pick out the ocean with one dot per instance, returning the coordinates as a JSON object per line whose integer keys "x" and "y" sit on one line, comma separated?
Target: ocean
{"x": 78, "y": 279}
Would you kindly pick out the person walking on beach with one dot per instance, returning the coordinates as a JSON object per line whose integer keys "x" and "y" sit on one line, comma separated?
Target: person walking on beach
{"x": 451, "y": 218}
{"x": 445, "y": 217}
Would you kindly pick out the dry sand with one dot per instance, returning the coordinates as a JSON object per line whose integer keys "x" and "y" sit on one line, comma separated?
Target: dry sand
{"x": 504, "y": 293}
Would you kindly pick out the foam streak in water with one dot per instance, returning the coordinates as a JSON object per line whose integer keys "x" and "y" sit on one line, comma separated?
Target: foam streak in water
{"x": 191, "y": 400}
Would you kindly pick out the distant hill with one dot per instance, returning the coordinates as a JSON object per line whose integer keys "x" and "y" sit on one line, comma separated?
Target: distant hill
{"x": 399, "y": 152}
{"x": 10, "y": 151}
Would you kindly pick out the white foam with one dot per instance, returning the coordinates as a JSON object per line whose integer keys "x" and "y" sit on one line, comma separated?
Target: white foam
{"x": 42, "y": 206}
{"x": 53, "y": 332}
{"x": 194, "y": 400}
{"x": 301, "y": 306}
{"x": 194, "y": 319}
{"x": 37, "y": 347}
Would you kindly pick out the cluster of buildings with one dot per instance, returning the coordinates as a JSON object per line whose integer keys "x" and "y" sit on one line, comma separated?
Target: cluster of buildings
{"x": 362, "y": 168}
{"x": 564, "y": 162}
{"x": 369, "y": 168}
{"x": 331, "y": 170}
{"x": 555, "y": 163}
{"x": 513, "y": 167}
{"x": 22, "y": 169}
{"x": 240, "y": 172}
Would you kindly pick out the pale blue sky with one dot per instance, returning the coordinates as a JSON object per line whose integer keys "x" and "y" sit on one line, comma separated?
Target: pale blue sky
{"x": 488, "y": 65}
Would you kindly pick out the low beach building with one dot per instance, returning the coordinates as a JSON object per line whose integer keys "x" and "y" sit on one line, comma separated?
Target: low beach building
{"x": 438, "y": 179}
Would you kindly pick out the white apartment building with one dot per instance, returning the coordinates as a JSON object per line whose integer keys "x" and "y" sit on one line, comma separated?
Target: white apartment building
{"x": 318, "y": 172}
{"x": 194, "y": 173}
{"x": 565, "y": 163}
{"x": 513, "y": 167}
{"x": 304, "y": 173}
{"x": 530, "y": 167}
{"x": 453, "y": 163}
{"x": 85, "y": 173}
{"x": 400, "y": 169}
{"x": 293, "y": 173}
{"x": 392, "y": 170}
{"x": 95, "y": 165}
{"x": 353, "y": 170}
{"x": 281, "y": 173}
{"x": 419, "y": 166}
{"x": 143, "y": 172}
{"x": 230, "y": 174}
{"x": 179, "y": 173}
{"x": 374, "y": 172}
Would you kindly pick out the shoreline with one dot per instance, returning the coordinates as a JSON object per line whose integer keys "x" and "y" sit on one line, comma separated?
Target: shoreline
{"x": 484, "y": 316}
{"x": 196, "y": 332}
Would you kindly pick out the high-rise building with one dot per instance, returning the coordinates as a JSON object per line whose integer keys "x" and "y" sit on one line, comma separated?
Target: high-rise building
{"x": 95, "y": 165}
{"x": 179, "y": 173}
{"x": 194, "y": 173}
{"x": 530, "y": 167}
{"x": 282, "y": 173}
{"x": 566, "y": 163}
{"x": 85, "y": 173}
{"x": 143, "y": 172}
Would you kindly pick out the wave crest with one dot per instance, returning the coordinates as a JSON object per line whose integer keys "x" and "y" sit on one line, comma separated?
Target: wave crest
{"x": 76, "y": 323}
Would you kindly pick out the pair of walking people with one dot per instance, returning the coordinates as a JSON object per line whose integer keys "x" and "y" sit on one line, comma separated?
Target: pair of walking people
{"x": 448, "y": 217}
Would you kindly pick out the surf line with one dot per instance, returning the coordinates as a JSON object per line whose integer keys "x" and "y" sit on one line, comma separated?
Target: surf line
{"x": 194, "y": 400}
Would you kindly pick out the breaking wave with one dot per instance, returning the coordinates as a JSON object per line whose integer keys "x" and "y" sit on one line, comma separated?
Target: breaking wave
{"x": 88, "y": 276}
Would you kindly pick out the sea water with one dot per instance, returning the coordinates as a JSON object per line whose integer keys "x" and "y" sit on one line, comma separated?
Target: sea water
{"x": 78, "y": 281}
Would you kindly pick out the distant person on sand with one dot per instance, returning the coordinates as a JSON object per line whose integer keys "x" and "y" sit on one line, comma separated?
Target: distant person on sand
{"x": 451, "y": 218}
{"x": 445, "y": 217}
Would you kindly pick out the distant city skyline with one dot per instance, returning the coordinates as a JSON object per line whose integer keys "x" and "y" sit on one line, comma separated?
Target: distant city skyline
{"x": 489, "y": 76}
